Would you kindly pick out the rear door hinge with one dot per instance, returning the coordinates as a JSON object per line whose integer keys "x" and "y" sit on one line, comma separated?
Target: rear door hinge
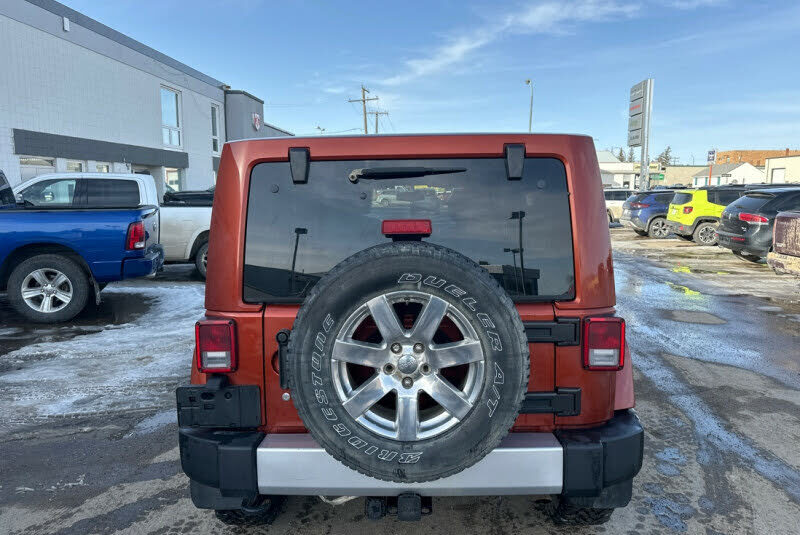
{"x": 562, "y": 402}
{"x": 282, "y": 337}
{"x": 562, "y": 332}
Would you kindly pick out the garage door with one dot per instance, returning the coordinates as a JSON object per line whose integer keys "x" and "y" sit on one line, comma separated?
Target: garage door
{"x": 777, "y": 175}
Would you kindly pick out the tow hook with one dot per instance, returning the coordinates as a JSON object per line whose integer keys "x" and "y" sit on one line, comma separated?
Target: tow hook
{"x": 408, "y": 507}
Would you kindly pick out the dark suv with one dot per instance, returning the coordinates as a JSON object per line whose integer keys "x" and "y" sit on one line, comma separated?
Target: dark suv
{"x": 405, "y": 350}
{"x": 746, "y": 224}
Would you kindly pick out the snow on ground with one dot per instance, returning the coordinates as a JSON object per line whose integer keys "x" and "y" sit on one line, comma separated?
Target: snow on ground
{"x": 130, "y": 366}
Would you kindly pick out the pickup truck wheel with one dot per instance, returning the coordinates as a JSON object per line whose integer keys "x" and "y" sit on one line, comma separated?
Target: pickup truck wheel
{"x": 562, "y": 513}
{"x": 705, "y": 234}
{"x": 201, "y": 260}
{"x": 48, "y": 288}
{"x": 263, "y": 511}
{"x": 408, "y": 362}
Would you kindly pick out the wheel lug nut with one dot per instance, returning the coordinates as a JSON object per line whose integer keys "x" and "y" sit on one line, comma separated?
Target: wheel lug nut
{"x": 419, "y": 348}
{"x": 396, "y": 348}
{"x": 426, "y": 368}
{"x": 388, "y": 369}
{"x": 408, "y": 382}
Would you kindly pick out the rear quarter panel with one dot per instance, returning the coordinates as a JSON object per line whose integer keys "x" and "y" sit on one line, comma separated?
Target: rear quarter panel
{"x": 786, "y": 233}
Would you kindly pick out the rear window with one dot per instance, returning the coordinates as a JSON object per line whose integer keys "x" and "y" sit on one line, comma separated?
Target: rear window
{"x": 102, "y": 193}
{"x": 681, "y": 198}
{"x": 752, "y": 201}
{"x": 638, "y": 197}
{"x": 617, "y": 195}
{"x": 297, "y": 232}
{"x": 664, "y": 198}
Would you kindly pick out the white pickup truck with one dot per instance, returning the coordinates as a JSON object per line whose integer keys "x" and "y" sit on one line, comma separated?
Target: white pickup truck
{"x": 183, "y": 229}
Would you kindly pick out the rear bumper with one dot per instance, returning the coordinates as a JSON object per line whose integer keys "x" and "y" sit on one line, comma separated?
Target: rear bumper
{"x": 149, "y": 264}
{"x": 679, "y": 228}
{"x": 576, "y": 463}
{"x": 784, "y": 263}
{"x": 750, "y": 244}
{"x": 633, "y": 221}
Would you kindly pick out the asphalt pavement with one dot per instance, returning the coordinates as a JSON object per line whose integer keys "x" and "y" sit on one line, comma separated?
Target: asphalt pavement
{"x": 88, "y": 435}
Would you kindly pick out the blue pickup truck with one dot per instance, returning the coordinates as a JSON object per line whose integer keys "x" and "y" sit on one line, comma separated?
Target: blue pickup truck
{"x": 63, "y": 238}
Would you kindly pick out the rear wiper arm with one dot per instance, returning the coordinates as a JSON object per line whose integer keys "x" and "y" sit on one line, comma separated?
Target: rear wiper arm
{"x": 386, "y": 173}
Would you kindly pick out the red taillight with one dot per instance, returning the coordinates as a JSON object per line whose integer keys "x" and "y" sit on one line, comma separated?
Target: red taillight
{"x": 603, "y": 343}
{"x": 687, "y": 209}
{"x": 215, "y": 346}
{"x": 135, "y": 239}
{"x": 637, "y": 205}
{"x": 753, "y": 218}
{"x": 406, "y": 227}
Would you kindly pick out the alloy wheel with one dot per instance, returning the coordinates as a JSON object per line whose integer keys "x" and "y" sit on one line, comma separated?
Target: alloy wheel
{"x": 46, "y": 290}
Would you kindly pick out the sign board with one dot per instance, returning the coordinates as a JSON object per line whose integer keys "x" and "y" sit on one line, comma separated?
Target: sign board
{"x": 635, "y": 137}
{"x": 712, "y": 156}
{"x": 638, "y": 113}
{"x": 656, "y": 176}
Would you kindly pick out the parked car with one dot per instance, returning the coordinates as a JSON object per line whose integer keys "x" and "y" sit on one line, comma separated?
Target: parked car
{"x": 344, "y": 354}
{"x": 785, "y": 255}
{"x": 66, "y": 238}
{"x": 6, "y": 193}
{"x": 746, "y": 224}
{"x": 203, "y": 197}
{"x": 646, "y": 213}
{"x": 615, "y": 198}
{"x": 694, "y": 213}
{"x": 183, "y": 228}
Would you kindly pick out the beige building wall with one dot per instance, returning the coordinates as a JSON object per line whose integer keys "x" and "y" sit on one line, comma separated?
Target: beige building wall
{"x": 786, "y": 169}
{"x": 680, "y": 174}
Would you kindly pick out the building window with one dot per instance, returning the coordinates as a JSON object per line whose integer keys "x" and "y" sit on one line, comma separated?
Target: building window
{"x": 215, "y": 129}
{"x": 31, "y": 166}
{"x": 75, "y": 166}
{"x": 172, "y": 177}
{"x": 170, "y": 117}
{"x": 102, "y": 167}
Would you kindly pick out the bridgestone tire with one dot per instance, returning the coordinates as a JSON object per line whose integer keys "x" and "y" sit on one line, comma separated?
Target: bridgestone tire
{"x": 76, "y": 279}
{"x": 563, "y": 514}
{"x": 471, "y": 294}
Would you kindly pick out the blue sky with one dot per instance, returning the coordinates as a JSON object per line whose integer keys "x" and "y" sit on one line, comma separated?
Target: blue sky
{"x": 725, "y": 72}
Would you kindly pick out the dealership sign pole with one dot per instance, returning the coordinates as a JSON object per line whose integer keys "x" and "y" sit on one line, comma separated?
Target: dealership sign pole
{"x": 712, "y": 157}
{"x": 640, "y": 109}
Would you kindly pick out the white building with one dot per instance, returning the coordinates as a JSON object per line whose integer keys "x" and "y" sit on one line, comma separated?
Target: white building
{"x": 728, "y": 173}
{"x": 614, "y": 173}
{"x": 76, "y": 95}
{"x": 783, "y": 169}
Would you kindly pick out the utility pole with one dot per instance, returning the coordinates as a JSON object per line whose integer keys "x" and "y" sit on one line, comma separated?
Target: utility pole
{"x": 376, "y": 114}
{"x": 363, "y": 100}
{"x": 530, "y": 110}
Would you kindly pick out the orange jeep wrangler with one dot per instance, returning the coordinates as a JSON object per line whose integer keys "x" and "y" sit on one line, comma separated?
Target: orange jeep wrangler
{"x": 455, "y": 338}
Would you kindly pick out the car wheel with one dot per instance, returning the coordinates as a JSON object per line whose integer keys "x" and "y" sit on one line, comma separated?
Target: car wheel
{"x": 565, "y": 514}
{"x": 408, "y": 362}
{"x": 384, "y": 202}
{"x": 201, "y": 260}
{"x": 262, "y": 511}
{"x": 749, "y": 257}
{"x": 658, "y": 228}
{"x": 705, "y": 234}
{"x": 48, "y": 288}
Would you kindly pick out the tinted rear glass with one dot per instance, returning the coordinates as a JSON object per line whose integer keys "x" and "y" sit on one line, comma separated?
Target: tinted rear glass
{"x": 681, "y": 198}
{"x": 476, "y": 212}
{"x": 752, "y": 201}
{"x": 664, "y": 198}
{"x": 102, "y": 193}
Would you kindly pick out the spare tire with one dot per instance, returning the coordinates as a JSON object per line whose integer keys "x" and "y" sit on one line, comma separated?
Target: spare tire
{"x": 408, "y": 362}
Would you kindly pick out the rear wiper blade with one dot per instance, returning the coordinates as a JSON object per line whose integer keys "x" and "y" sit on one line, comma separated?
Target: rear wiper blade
{"x": 386, "y": 173}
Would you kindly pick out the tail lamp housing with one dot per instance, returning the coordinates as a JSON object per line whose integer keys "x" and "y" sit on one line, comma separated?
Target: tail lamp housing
{"x": 638, "y": 205}
{"x": 215, "y": 346}
{"x": 753, "y": 219}
{"x": 688, "y": 209}
{"x": 135, "y": 238}
{"x": 604, "y": 343}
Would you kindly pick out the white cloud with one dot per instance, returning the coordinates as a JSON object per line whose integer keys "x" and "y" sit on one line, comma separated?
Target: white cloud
{"x": 334, "y": 90}
{"x": 539, "y": 18}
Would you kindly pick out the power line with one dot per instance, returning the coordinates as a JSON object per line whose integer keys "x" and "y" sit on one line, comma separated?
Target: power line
{"x": 363, "y": 100}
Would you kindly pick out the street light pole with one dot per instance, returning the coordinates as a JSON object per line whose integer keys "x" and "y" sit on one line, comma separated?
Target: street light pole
{"x": 530, "y": 112}
{"x": 519, "y": 215}
{"x": 298, "y": 231}
{"x": 514, "y": 256}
